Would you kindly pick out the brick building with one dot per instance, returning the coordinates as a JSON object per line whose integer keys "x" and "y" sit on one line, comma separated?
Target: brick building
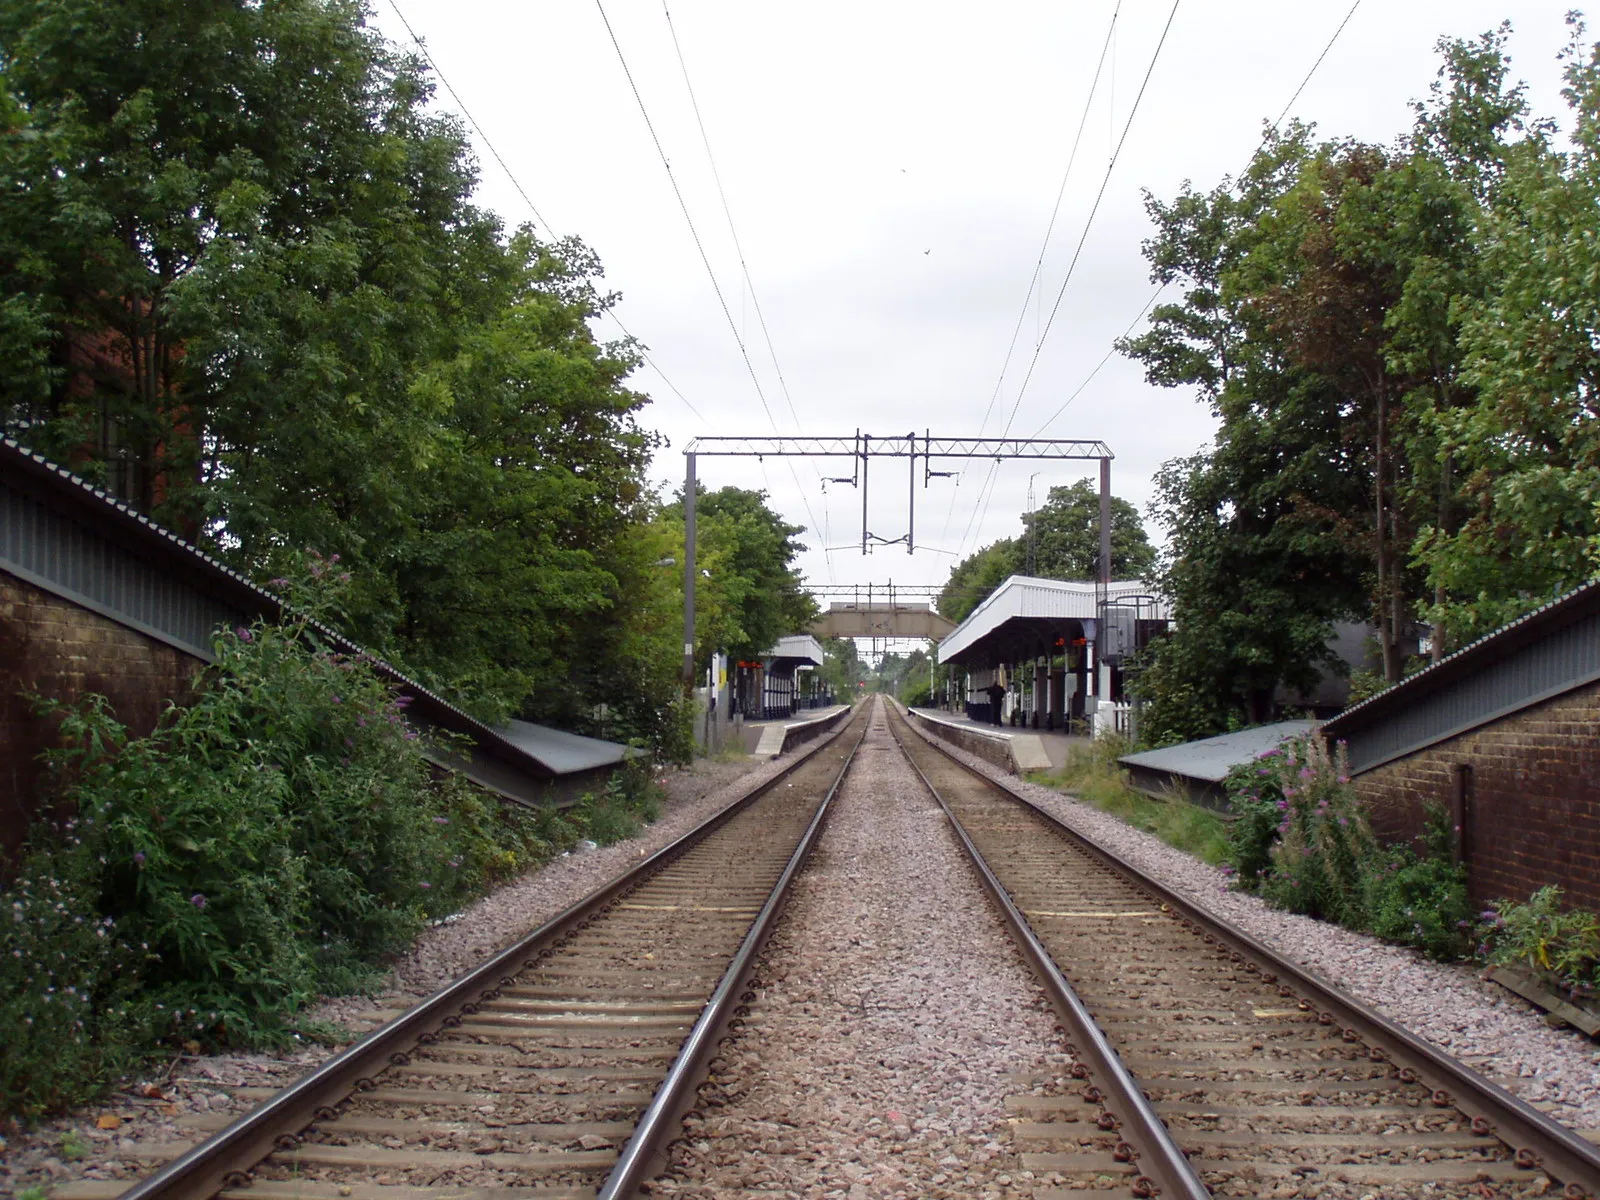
{"x": 97, "y": 599}
{"x": 1505, "y": 735}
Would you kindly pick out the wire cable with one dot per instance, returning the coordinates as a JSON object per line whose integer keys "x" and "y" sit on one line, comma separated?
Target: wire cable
{"x": 1089, "y": 223}
{"x": 1038, "y": 266}
{"x": 755, "y": 300}
{"x": 471, "y": 120}
{"x": 521, "y": 191}
{"x": 683, "y": 205}
{"x": 1160, "y": 289}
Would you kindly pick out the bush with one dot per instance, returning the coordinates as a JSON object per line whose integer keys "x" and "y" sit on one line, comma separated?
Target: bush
{"x": 1300, "y": 838}
{"x": 1256, "y": 799}
{"x": 1561, "y": 944}
{"x": 276, "y": 840}
{"x": 1421, "y": 900}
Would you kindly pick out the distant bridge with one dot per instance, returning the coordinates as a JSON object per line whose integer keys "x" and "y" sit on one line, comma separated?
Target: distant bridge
{"x": 882, "y": 620}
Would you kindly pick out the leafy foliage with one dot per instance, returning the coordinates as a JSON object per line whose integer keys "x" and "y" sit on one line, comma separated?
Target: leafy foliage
{"x": 242, "y": 284}
{"x": 1561, "y": 943}
{"x": 1396, "y": 348}
{"x": 275, "y": 840}
{"x": 1060, "y": 540}
{"x": 1300, "y": 838}
{"x": 749, "y": 594}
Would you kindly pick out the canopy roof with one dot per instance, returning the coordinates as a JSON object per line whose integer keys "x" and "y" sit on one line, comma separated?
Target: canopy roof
{"x": 1025, "y": 614}
{"x": 799, "y": 649}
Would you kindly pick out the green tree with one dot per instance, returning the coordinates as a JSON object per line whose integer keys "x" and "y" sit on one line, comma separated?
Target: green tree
{"x": 1061, "y": 538}
{"x": 749, "y": 594}
{"x": 976, "y": 576}
{"x": 242, "y": 282}
{"x": 1526, "y": 442}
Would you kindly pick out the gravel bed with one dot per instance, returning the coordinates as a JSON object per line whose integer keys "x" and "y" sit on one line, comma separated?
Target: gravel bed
{"x": 193, "y": 1085}
{"x": 891, "y": 1005}
{"x": 1494, "y": 1032}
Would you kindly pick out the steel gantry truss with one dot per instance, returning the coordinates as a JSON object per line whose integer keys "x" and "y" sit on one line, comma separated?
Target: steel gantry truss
{"x": 861, "y": 448}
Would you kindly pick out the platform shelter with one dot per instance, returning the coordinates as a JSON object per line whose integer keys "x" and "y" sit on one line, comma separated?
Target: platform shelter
{"x": 782, "y": 681}
{"x": 1050, "y": 653}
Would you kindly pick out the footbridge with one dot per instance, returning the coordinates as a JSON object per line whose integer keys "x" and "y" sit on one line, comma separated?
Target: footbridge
{"x": 881, "y": 619}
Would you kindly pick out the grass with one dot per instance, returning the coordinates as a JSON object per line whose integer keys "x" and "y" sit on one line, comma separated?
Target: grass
{"x": 1092, "y": 775}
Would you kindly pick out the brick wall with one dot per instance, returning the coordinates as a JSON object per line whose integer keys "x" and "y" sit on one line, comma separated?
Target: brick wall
{"x": 1531, "y": 798}
{"x": 55, "y": 648}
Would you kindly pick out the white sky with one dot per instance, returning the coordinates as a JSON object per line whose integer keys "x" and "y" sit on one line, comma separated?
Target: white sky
{"x": 890, "y": 169}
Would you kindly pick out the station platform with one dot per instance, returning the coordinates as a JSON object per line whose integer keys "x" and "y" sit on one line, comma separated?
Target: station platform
{"x": 764, "y": 739}
{"x": 1032, "y": 749}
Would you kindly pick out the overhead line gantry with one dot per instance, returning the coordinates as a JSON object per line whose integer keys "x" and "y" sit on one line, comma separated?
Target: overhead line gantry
{"x": 861, "y": 448}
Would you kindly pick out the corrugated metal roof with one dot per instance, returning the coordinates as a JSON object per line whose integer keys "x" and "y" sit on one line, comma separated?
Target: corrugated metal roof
{"x": 135, "y": 534}
{"x": 800, "y": 646}
{"x": 1212, "y": 758}
{"x": 1575, "y": 606}
{"x": 1028, "y": 598}
{"x": 563, "y": 752}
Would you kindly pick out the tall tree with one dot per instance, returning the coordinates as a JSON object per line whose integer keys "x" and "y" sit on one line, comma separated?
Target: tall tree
{"x": 1061, "y": 538}
{"x": 242, "y": 281}
{"x": 749, "y": 594}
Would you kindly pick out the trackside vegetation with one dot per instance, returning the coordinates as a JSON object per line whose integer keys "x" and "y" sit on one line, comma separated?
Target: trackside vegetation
{"x": 276, "y": 840}
{"x": 1091, "y": 774}
{"x": 1399, "y": 343}
{"x": 1297, "y": 835}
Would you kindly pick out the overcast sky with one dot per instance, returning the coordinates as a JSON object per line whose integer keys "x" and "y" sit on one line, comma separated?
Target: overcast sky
{"x": 891, "y": 169}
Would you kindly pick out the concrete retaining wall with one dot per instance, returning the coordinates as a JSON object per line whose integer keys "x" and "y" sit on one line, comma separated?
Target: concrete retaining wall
{"x": 988, "y": 747}
{"x": 810, "y": 731}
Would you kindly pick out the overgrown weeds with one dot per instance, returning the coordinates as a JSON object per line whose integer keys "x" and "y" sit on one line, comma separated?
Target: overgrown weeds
{"x": 1561, "y": 944}
{"x": 278, "y": 839}
{"x": 1300, "y": 838}
{"x": 1093, "y": 775}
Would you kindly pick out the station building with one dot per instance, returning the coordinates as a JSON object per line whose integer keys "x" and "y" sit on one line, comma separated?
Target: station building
{"x": 1050, "y": 654}
{"x": 782, "y": 682}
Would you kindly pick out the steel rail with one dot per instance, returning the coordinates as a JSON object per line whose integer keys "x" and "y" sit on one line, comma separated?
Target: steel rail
{"x": 222, "y": 1159}
{"x": 1161, "y": 1161}
{"x": 1537, "y": 1141}
{"x": 642, "y": 1157}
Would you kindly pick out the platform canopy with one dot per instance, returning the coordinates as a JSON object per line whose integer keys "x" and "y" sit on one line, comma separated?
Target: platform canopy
{"x": 796, "y": 650}
{"x": 1024, "y": 615}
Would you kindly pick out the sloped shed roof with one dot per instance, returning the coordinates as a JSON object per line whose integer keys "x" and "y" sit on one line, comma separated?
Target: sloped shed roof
{"x": 60, "y": 533}
{"x": 1549, "y": 651}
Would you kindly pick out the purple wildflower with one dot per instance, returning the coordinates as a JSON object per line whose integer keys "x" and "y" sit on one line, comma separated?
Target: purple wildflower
{"x": 425, "y": 884}
{"x": 138, "y": 856}
{"x": 198, "y": 900}
{"x": 244, "y": 634}
{"x": 402, "y": 701}
{"x": 441, "y": 820}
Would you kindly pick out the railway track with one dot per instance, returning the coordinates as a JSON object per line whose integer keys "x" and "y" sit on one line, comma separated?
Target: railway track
{"x": 1207, "y": 1064}
{"x": 558, "y": 1069}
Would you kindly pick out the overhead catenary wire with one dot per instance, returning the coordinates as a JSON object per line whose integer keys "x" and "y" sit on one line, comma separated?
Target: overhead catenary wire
{"x": 1093, "y": 211}
{"x": 744, "y": 268}
{"x": 1038, "y": 266}
{"x": 471, "y": 120}
{"x": 1161, "y": 288}
{"x": 688, "y": 218}
{"x": 516, "y": 183}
